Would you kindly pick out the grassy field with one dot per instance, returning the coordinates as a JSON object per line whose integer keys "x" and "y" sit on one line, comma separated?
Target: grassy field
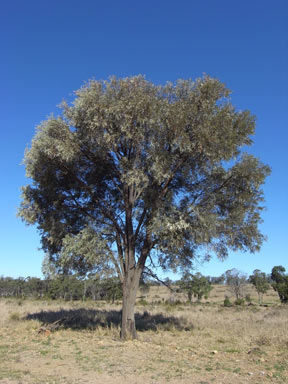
{"x": 178, "y": 342}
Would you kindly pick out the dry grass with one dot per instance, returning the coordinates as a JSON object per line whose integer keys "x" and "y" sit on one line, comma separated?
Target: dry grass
{"x": 198, "y": 343}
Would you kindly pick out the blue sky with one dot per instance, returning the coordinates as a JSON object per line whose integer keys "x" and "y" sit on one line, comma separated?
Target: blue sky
{"x": 50, "y": 48}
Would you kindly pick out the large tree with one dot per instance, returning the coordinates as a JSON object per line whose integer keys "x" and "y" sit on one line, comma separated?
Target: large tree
{"x": 137, "y": 175}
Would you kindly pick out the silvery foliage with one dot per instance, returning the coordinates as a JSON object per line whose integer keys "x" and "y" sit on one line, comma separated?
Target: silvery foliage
{"x": 167, "y": 158}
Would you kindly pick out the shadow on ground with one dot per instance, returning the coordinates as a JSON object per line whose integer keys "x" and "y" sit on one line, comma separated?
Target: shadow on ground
{"x": 93, "y": 318}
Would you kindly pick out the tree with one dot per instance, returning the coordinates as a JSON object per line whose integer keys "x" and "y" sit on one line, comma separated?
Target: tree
{"x": 280, "y": 282}
{"x": 260, "y": 282}
{"x": 217, "y": 279}
{"x": 111, "y": 289}
{"x": 35, "y": 287}
{"x": 195, "y": 285}
{"x": 134, "y": 174}
{"x": 236, "y": 282}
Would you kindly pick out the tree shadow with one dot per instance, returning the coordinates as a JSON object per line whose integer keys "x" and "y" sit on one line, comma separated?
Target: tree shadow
{"x": 93, "y": 318}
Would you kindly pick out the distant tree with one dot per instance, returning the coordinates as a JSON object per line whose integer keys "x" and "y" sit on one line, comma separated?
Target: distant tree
{"x": 34, "y": 287}
{"x": 169, "y": 282}
{"x": 133, "y": 172}
{"x": 7, "y": 286}
{"x": 260, "y": 282}
{"x": 144, "y": 285}
{"x": 280, "y": 283}
{"x": 73, "y": 288}
{"x": 111, "y": 289}
{"x": 269, "y": 278}
{"x": 93, "y": 286}
{"x": 195, "y": 285}
{"x": 20, "y": 286}
{"x": 236, "y": 282}
{"x": 217, "y": 279}
{"x": 49, "y": 269}
{"x": 55, "y": 289}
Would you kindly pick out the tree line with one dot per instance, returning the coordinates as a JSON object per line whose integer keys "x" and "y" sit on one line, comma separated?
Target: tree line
{"x": 69, "y": 287}
{"x": 197, "y": 286}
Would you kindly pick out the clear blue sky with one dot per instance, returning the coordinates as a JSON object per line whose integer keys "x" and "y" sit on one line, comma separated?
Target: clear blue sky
{"x": 49, "y": 48}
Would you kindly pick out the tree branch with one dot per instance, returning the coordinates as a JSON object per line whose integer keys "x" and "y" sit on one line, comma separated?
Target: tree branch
{"x": 140, "y": 222}
{"x": 120, "y": 253}
{"x": 148, "y": 272}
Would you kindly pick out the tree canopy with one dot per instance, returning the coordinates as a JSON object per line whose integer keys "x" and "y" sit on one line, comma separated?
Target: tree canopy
{"x": 135, "y": 175}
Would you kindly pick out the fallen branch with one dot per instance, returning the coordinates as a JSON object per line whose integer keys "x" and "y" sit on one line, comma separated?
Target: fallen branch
{"x": 53, "y": 326}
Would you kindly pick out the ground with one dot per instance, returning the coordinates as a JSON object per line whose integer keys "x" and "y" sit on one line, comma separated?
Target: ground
{"x": 178, "y": 342}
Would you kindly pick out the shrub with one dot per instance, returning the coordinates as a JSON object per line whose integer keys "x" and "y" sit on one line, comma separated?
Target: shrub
{"x": 239, "y": 302}
{"x": 142, "y": 302}
{"x": 227, "y": 302}
{"x": 248, "y": 298}
{"x": 15, "y": 316}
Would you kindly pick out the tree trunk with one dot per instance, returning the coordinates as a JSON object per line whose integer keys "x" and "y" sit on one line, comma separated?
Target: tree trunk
{"x": 130, "y": 287}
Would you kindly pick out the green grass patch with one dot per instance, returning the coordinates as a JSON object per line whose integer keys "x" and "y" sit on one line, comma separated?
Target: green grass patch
{"x": 232, "y": 350}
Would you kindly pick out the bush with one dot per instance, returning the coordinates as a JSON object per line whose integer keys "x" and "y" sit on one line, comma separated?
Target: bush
{"x": 239, "y": 302}
{"x": 248, "y": 298}
{"x": 142, "y": 302}
{"x": 227, "y": 302}
{"x": 15, "y": 316}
